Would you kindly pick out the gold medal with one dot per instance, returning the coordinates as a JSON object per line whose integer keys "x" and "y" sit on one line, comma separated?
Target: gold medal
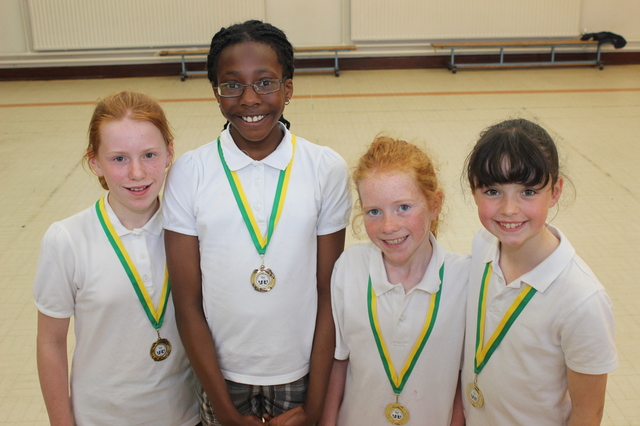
{"x": 397, "y": 414}
{"x": 263, "y": 279}
{"x": 485, "y": 350}
{"x": 474, "y": 394}
{"x": 160, "y": 349}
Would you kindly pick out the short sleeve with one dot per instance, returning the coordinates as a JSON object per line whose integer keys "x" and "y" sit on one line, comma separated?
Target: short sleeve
{"x": 54, "y": 288}
{"x": 588, "y": 336}
{"x": 337, "y": 307}
{"x": 179, "y": 196}
{"x": 336, "y": 197}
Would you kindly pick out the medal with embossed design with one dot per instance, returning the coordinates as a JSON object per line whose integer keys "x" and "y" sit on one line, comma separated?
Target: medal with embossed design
{"x": 161, "y": 348}
{"x": 397, "y": 413}
{"x": 262, "y": 279}
{"x": 474, "y": 394}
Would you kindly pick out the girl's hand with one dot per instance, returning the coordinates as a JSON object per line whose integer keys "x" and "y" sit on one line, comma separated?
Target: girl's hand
{"x": 294, "y": 417}
{"x": 249, "y": 420}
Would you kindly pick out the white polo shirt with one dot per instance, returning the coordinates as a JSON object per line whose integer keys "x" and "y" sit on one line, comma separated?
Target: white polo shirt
{"x": 429, "y": 392}
{"x": 113, "y": 378}
{"x": 261, "y": 338}
{"x": 567, "y": 323}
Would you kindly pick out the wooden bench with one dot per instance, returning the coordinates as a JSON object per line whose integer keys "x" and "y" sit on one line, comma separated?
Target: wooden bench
{"x": 183, "y": 53}
{"x": 504, "y": 44}
{"x": 335, "y": 49}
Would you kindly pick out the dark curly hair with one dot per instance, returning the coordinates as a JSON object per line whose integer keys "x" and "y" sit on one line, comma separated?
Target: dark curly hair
{"x": 252, "y": 30}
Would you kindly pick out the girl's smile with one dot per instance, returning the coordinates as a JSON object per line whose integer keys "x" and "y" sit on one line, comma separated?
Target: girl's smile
{"x": 397, "y": 218}
{"x": 517, "y": 214}
{"x": 254, "y": 117}
{"x": 509, "y": 225}
{"x": 132, "y": 158}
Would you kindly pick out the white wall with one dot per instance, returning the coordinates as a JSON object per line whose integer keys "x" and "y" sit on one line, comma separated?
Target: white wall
{"x": 617, "y": 16}
{"x": 306, "y": 22}
{"x": 12, "y": 32}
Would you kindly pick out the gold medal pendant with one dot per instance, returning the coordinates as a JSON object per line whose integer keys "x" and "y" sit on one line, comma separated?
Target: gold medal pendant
{"x": 397, "y": 414}
{"x": 474, "y": 394}
{"x": 160, "y": 349}
{"x": 263, "y": 279}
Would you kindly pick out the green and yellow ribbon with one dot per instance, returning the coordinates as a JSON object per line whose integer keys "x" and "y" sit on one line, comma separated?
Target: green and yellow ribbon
{"x": 261, "y": 242}
{"x": 155, "y": 315}
{"x": 484, "y": 352}
{"x": 398, "y": 381}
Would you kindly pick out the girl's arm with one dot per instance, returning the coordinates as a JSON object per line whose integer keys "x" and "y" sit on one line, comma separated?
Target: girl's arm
{"x": 457, "y": 418}
{"x": 53, "y": 368}
{"x": 329, "y": 249}
{"x": 587, "y": 393}
{"x": 183, "y": 261}
{"x": 335, "y": 392}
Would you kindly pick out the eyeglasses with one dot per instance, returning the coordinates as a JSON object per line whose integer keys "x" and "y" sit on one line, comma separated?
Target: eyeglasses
{"x": 262, "y": 87}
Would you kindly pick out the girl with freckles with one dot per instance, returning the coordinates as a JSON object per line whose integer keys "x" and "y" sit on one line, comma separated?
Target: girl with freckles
{"x": 398, "y": 301}
{"x": 105, "y": 267}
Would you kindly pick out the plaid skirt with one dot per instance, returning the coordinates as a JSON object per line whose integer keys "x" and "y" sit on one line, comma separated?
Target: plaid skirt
{"x": 256, "y": 400}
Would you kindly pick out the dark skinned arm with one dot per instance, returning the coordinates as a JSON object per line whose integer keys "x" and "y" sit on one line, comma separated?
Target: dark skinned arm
{"x": 329, "y": 249}
{"x": 183, "y": 261}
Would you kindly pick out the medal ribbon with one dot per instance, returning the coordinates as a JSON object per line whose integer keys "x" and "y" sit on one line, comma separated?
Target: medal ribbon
{"x": 484, "y": 352}
{"x": 260, "y": 242}
{"x": 398, "y": 382}
{"x": 156, "y": 316}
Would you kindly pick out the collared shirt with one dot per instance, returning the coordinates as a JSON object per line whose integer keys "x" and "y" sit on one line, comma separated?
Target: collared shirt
{"x": 113, "y": 377}
{"x": 428, "y": 393}
{"x": 567, "y": 323}
{"x": 261, "y": 338}
{"x": 259, "y": 178}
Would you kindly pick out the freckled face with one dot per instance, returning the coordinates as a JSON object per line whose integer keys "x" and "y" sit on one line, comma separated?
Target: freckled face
{"x": 397, "y": 217}
{"x": 516, "y": 214}
{"x": 253, "y": 117}
{"x": 132, "y": 158}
